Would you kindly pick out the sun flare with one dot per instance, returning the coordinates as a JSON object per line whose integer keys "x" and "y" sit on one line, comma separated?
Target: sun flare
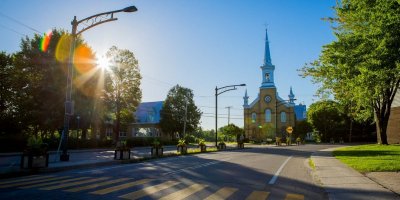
{"x": 103, "y": 63}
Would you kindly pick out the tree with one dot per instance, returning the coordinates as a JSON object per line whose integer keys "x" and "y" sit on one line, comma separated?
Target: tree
{"x": 174, "y": 109}
{"x": 362, "y": 66}
{"x": 122, "y": 92}
{"x": 231, "y": 131}
{"x": 325, "y": 117}
{"x": 302, "y": 128}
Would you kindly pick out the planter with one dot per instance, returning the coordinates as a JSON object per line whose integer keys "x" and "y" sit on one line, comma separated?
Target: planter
{"x": 29, "y": 161}
{"x": 241, "y": 145}
{"x": 157, "y": 151}
{"x": 221, "y": 146}
{"x": 122, "y": 154}
{"x": 182, "y": 149}
{"x": 203, "y": 148}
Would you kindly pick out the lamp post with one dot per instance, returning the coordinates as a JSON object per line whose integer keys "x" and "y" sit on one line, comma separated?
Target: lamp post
{"x": 224, "y": 89}
{"x": 88, "y": 22}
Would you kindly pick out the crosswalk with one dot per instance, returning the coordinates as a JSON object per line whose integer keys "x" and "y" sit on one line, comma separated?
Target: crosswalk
{"x": 130, "y": 188}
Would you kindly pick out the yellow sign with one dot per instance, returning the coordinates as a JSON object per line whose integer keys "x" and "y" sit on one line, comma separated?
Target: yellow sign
{"x": 289, "y": 129}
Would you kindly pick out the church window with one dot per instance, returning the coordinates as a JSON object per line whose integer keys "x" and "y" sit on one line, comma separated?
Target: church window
{"x": 268, "y": 115}
{"x": 253, "y": 117}
{"x": 283, "y": 117}
{"x": 267, "y": 77}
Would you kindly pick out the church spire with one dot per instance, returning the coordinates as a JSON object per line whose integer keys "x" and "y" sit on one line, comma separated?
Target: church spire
{"x": 267, "y": 68}
{"x": 246, "y": 100}
{"x": 267, "y": 54}
{"x": 291, "y": 96}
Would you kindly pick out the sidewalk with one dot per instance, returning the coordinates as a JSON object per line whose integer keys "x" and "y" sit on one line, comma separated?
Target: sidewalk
{"x": 342, "y": 182}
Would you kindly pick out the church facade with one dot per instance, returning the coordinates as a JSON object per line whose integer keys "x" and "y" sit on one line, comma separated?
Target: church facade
{"x": 269, "y": 115}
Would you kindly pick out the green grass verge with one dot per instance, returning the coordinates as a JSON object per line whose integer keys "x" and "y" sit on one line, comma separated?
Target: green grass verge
{"x": 370, "y": 158}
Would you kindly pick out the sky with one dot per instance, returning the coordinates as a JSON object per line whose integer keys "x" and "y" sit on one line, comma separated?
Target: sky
{"x": 198, "y": 44}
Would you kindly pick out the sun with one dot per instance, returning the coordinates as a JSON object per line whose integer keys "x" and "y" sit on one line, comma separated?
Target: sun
{"x": 103, "y": 63}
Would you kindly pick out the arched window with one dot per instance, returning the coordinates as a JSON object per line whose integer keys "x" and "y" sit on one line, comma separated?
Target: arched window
{"x": 283, "y": 117}
{"x": 268, "y": 115}
{"x": 253, "y": 117}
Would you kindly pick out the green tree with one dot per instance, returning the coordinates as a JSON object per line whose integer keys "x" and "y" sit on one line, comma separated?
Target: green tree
{"x": 122, "y": 92}
{"x": 173, "y": 112}
{"x": 231, "y": 131}
{"x": 302, "y": 128}
{"x": 362, "y": 66}
{"x": 326, "y": 117}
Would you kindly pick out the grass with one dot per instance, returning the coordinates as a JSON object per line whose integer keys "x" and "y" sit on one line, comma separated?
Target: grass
{"x": 370, "y": 158}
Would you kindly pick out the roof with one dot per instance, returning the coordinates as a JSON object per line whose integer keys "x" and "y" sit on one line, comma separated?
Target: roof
{"x": 148, "y": 112}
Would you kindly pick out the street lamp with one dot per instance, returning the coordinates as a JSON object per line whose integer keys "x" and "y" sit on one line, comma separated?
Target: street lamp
{"x": 88, "y": 22}
{"x": 224, "y": 89}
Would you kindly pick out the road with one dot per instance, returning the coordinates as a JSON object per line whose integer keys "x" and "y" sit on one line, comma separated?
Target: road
{"x": 255, "y": 173}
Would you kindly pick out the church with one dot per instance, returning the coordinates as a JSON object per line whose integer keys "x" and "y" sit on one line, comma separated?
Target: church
{"x": 269, "y": 115}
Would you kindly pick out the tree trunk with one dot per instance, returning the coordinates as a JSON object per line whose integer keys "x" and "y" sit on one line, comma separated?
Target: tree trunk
{"x": 381, "y": 121}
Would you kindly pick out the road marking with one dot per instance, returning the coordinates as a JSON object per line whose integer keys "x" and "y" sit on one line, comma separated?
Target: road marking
{"x": 28, "y": 182}
{"x": 222, "y": 193}
{"x": 273, "y": 179}
{"x": 181, "y": 194}
{"x": 120, "y": 187}
{"x": 257, "y": 195}
{"x": 294, "y": 197}
{"x": 52, "y": 183}
{"x": 96, "y": 185}
{"x": 149, "y": 190}
{"x": 34, "y": 177}
{"x": 193, "y": 167}
{"x": 74, "y": 183}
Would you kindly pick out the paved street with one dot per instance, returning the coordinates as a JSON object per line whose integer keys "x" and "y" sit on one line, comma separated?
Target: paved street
{"x": 256, "y": 173}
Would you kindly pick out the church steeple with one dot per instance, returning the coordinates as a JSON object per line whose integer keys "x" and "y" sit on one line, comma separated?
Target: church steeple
{"x": 267, "y": 54}
{"x": 291, "y": 96}
{"x": 267, "y": 68}
{"x": 246, "y": 100}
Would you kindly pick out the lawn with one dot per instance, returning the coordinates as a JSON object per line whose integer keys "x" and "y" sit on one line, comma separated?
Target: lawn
{"x": 370, "y": 158}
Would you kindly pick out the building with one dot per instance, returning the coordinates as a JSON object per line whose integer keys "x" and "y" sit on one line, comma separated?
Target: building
{"x": 269, "y": 115}
{"x": 147, "y": 120}
{"x": 393, "y": 127}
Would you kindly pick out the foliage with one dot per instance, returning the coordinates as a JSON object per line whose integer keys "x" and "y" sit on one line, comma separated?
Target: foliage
{"x": 231, "y": 131}
{"x": 156, "y": 143}
{"x": 36, "y": 146}
{"x": 174, "y": 109}
{"x": 362, "y": 66}
{"x": 202, "y": 142}
{"x": 122, "y": 146}
{"x": 181, "y": 143}
{"x": 302, "y": 128}
{"x": 326, "y": 117}
{"x": 370, "y": 158}
{"x": 122, "y": 92}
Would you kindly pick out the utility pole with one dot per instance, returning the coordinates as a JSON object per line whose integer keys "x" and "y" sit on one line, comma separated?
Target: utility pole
{"x": 184, "y": 123}
{"x": 229, "y": 114}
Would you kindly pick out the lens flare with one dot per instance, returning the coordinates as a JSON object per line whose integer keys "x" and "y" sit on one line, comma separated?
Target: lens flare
{"x": 62, "y": 49}
{"x": 45, "y": 41}
{"x": 84, "y": 59}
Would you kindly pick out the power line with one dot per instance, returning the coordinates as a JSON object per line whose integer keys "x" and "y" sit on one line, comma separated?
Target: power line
{"x": 20, "y": 23}
{"x": 10, "y": 29}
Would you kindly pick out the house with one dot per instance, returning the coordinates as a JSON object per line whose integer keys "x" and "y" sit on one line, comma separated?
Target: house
{"x": 393, "y": 127}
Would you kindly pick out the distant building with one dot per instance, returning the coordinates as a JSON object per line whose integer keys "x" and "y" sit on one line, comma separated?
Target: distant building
{"x": 300, "y": 111}
{"x": 147, "y": 120}
{"x": 393, "y": 129}
{"x": 269, "y": 113}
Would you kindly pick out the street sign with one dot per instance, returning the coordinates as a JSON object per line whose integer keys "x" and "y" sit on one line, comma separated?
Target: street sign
{"x": 289, "y": 129}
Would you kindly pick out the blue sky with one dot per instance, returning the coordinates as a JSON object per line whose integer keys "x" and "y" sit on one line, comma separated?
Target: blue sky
{"x": 199, "y": 44}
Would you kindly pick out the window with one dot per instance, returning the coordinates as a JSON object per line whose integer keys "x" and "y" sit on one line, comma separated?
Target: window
{"x": 122, "y": 134}
{"x": 253, "y": 117}
{"x": 268, "y": 115}
{"x": 283, "y": 117}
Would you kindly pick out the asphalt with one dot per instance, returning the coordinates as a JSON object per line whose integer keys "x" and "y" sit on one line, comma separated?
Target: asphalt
{"x": 344, "y": 183}
{"x": 338, "y": 180}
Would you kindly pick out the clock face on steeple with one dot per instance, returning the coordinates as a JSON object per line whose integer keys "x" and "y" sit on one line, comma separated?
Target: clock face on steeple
{"x": 267, "y": 99}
